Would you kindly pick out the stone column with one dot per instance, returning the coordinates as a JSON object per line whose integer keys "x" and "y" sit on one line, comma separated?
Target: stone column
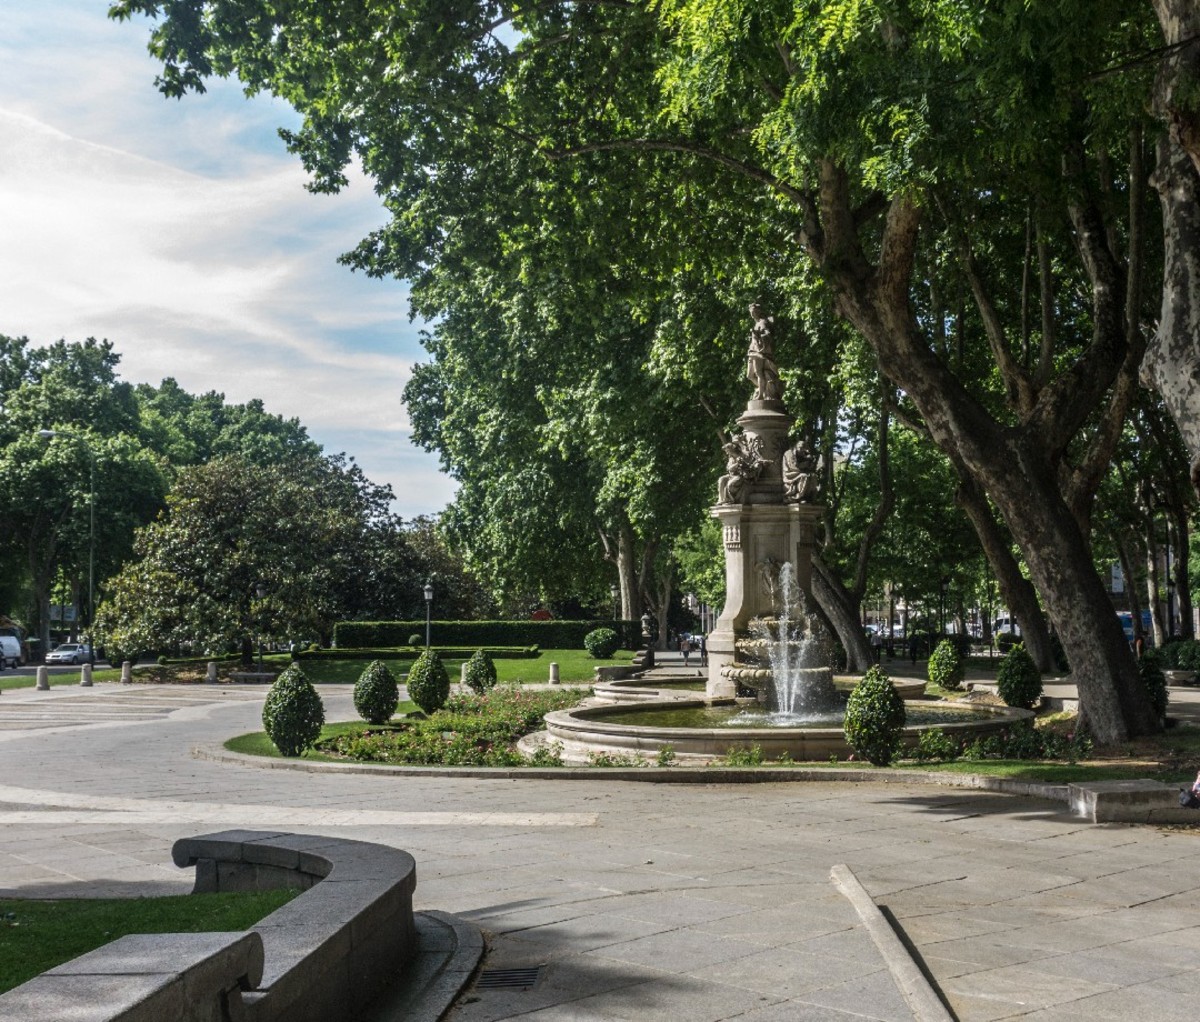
{"x": 126, "y": 672}
{"x": 43, "y": 679}
{"x": 210, "y": 674}
{"x": 85, "y": 676}
{"x": 554, "y": 678}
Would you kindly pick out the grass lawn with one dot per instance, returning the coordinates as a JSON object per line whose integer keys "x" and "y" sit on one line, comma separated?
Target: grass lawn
{"x": 38, "y": 935}
{"x": 575, "y": 667}
{"x": 256, "y": 743}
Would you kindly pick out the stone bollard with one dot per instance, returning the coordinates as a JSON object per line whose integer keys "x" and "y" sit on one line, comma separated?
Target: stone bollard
{"x": 126, "y": 672}
{"x": 462, "y": 673}
{"x": 43, "y": 679}
{"x": 554, "y": 679}
{"x": 85, "y": 676}
{"x": 210, "y": 677}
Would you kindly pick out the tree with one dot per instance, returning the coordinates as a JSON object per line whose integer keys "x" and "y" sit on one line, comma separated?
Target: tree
{"x": 231, "y": 532}
{"x": 849, "y": 134}
{"x": 45, "y": 486}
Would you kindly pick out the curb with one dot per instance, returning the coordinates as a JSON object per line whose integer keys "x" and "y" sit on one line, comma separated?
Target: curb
{"x": 653, "y": 774}
{"x": 918, "y": 992}
{"x": 449, "y": 951}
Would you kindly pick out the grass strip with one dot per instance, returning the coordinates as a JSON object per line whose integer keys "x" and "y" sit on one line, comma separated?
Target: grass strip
{"x": 38, "y": 935}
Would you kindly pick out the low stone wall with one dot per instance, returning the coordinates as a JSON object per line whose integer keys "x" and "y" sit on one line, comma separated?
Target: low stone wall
{"x": 1134, "y": 801}
{"x": 325, "y": 955}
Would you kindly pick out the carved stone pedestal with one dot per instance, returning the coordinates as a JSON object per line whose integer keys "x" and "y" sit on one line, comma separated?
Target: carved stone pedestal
{"x": 758, "y": 539}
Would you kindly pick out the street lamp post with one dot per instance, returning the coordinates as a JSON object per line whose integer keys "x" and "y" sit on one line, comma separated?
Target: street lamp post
{"x": 48, "y": 434}
{"x": 942, "y": 605}
{"x": 260, "y": 590}
{"x": 615, "y": 593}
{"x": 428, "y": 607}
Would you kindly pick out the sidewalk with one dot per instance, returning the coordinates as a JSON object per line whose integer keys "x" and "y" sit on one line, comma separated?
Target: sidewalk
{"x": 640, "y": 901}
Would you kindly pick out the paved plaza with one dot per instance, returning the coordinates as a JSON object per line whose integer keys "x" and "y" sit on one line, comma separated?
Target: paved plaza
{"x": 638, "y": 900}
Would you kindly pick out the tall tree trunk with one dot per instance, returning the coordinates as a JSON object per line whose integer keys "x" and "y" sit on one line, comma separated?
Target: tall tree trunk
{"x": 1016, "y": 467}
{"x": 1180, "y": 569}
{"x": 1172, "y": 362}
{"x": 841, "y": 611}
{"x": 1157, "y": 624}
{"x": 1015, "y": 589}
{"x": 1128, "y": 560}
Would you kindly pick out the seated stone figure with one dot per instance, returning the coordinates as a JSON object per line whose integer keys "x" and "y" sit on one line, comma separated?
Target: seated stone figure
{"x": 800, "y": 473}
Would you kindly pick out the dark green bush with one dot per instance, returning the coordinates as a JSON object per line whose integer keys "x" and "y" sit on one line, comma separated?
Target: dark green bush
{"x": 376, "y": 693}
{"x": 1006, "y": 641}
{"x": 874, "y": 718}
{"x": 1151, "y": 672}
{"x": 1183, "y": 655}
{"x": 1024, "y": 741}
{"x": 471, "y": 730}
{"x": 428, "y": 682}
{"x": 946, "y": 665}
{"x": 1018, "y": 681}
{"x": 933, "y": 744}
{"x": 293, "y": 713}
{"x": 480, "y": 672}
{"x": 602, "y": 643}
{"x": 415, "y": 640}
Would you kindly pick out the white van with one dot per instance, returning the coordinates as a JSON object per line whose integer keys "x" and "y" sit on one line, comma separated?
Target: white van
{"x": 10, "y": 652}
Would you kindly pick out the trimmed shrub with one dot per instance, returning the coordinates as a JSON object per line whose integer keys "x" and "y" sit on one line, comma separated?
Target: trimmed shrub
{"x": 946, "y": 666}
{"x": 376, "y": 693}
{"x": 428, "y": 682}
{"x": 415, "y": 640}
{"x": 1018, "y": 681}
{"x": 1151, "y": 672}
{"x": 481, "y": 672}
{"x": 1184, "y": 655}
{"x": 602, "y": 643}
{"x": 293, "y": 712}
{"x": 874, "y": 717}
{"x": 933, "y": 744}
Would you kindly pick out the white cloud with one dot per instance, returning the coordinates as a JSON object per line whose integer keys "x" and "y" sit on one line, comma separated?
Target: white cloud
{"x": 190, "y": 242}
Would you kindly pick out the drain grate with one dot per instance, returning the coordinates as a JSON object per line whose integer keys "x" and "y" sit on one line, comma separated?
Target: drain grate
{"x": 508, "y": 979}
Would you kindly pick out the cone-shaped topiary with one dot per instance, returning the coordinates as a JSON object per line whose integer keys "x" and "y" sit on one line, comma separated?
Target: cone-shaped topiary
{"x": 376, "y": 693}
{"x": 946, "y": 666}
{"x": 481, "y": 672}
{"x": 1018, "y": 681}
{"x": 602, "y": 643}
{"x": 293, "y": 713}
{"x": 874, "y": 718}
{"x": 428, "y": 683}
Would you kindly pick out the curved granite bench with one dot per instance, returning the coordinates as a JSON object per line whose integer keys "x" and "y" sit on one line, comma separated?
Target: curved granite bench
{"x": 327, "y": 954}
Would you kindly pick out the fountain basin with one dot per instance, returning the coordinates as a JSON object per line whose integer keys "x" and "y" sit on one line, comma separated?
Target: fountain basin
{"x": 644, "y": 690}
{"x": 584, "y": 731}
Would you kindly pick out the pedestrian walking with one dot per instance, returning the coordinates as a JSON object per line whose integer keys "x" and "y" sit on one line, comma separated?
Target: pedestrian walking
{"x": 685, "y": 647}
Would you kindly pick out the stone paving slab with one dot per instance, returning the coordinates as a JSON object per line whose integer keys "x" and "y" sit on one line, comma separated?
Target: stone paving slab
{"x": 644, "y": 901}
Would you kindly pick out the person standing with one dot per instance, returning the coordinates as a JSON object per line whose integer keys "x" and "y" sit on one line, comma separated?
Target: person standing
{"x": 685, "y": 647}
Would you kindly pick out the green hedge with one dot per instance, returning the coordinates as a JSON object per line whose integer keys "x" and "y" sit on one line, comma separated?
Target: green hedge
{"x": 480, "y": 634}
{"x": 411, "y": 653}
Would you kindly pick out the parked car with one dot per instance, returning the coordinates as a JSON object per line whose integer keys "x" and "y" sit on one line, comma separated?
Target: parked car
{"x": 10, "y": 652}
{"x": 69, "y": 653}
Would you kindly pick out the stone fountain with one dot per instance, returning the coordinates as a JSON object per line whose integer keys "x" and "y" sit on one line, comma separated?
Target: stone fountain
{"x": 767, "y": 644}
{"x": 765, "y": 504}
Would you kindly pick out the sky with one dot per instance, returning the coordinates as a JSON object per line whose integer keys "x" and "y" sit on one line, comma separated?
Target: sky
{"x": 181, "y": 231}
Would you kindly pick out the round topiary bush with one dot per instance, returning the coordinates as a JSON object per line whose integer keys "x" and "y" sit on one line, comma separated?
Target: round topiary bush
{"x": 416, "y": 640}
{"x": 1005, "y": 641}
{"x": 376, "y": 693}
{"x": 1151, "y": 672}
{"x": 428, "y": 682}
{"x": 1019, "y": 682}
{"x": 602, "y": 643}
{"x": 874, "y": 718}
{"x": 481, "y": 672}
{"x": 293, "y": 713}
{"x": 946, "y": 665}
